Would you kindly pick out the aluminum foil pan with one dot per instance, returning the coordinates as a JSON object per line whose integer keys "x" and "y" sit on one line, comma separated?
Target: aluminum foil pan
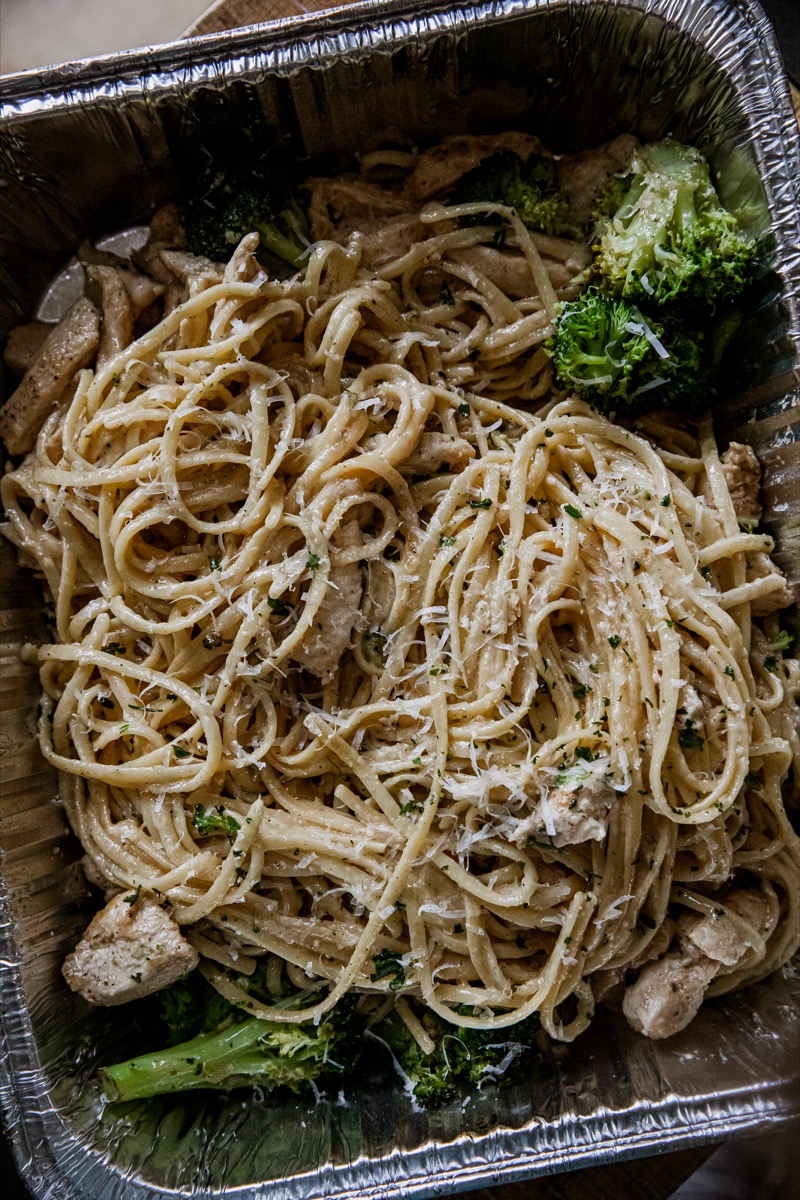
{"x": 93, "y": 147}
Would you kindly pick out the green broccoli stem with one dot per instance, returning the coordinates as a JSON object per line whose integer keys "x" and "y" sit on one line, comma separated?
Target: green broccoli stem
{"x": 277, "y": 243}
{"x": 251, "y": 1052}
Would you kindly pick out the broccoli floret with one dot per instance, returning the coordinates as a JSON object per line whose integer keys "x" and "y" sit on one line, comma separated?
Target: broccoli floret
{"x": 663, "y": 234}
{"x": 460, "y": 1055}
{"x": 223, "y": 210}
{"x": 238, "y": 1053}
{"x": 529, "y": 187}
{"x": 618, "y": 360}
{"x": 192, "y": 1006}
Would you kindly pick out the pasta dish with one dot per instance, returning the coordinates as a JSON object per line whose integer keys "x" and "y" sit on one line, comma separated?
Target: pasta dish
{"x": 385, "y": 660}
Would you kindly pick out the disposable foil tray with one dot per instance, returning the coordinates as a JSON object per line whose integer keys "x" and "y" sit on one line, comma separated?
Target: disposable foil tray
{"x": 92, "y": 147}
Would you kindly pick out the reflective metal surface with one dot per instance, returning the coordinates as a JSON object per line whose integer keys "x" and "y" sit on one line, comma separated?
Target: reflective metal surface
{"x": 92, "y": 148}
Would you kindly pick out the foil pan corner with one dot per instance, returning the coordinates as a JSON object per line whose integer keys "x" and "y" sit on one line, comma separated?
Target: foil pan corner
{"x": 94, "y": 147}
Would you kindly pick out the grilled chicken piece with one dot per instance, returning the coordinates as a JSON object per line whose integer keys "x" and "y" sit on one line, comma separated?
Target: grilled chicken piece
{"x": 582, "y": 174}
{"x": 243, "y": 265}
{"x": 337, "y": 207}
{"x": 438, "y": 168}
{"x": 742, "y": 472}
{"x": 761, "y": 566}
{"x": 508, "y": 271}
{"x": 608, "y": 984}
{"x": 166, "y": 227}
{"x": 104, "y": 286}
{"x": 384, "y": 241}
{"x": 142, "y": 290}
{"x": 719, "y": 937}
{"x": 379, "y": 592}
{"x": 580, "y": 815}
{"x": 668, "y": 993}
{"x": 333, "y": 623}
{"x": 71, "y": 346}
{"x": 130, "y": 949}
{"x": 166, "y": 234}
{"x": 434, "y": 451}
{"x": 195, "y": 272}
{"x": 570, "y": 815}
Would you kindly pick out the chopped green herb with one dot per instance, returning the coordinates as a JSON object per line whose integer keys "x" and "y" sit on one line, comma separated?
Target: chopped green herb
{"x": 689, "y": 738}
{"x": 388, "y": 966}
{"x": 215, "y": 564}
{"x": 446, "y": 540}
{"x": 581, "y": 691}
{"x": 114, "y": 648}
{"x": 771, "y": 664}
{"x": 614, "y": 641}
{"x": 665, "y": 501}
{"x": 729, "y": 671}
{"x": 463, "y": 410}
{"x": 278, "y": 607}
{"x": 313, "y": 562}
{"x": 374, "y": 646}
{"x": 214, "y": 820}
{"x": 485, "y": 503}
{"x": 571, "y": 511}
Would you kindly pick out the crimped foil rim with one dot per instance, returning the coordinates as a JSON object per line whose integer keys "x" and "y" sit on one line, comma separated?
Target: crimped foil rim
{"x": 372, "y": 26}
{"x": 56, "y": 1162}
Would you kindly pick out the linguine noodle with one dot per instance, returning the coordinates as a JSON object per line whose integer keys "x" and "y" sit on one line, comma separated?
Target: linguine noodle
{"x": 465, "y": 673}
